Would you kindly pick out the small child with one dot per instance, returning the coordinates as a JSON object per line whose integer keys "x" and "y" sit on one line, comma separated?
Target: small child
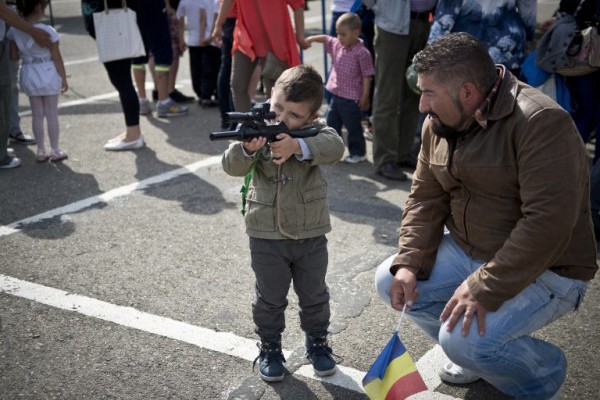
{"x": 205, "y": 57}
{"x": 349, "y": 82}
{"x": 287, "y": 217}
{"x": 42, "y": 77}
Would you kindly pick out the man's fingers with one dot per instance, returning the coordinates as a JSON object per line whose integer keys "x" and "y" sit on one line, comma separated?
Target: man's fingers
{"x": 467, "y": 320}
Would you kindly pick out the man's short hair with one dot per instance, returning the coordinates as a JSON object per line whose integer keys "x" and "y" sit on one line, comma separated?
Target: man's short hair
{"x": 302, "y": 83}
{"x": 457, "y": 58}
{"x": 349, "y": 20}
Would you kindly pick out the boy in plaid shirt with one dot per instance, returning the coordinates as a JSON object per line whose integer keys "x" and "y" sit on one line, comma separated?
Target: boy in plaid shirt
{"x": 349, "y": 82}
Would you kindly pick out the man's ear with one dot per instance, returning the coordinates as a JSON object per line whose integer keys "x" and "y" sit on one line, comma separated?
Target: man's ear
{"x": 469, "y": 93}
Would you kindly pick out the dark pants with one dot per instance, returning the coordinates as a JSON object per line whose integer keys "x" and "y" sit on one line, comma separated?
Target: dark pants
{"x": 204, "y": 68}
{"x": 5, "y": 94}
{"x": 585, "y": 95}
{"x": 276, "y": 264}
{"x": 119, "y": 73}
{"x": 154, "y": 27}
{"x": 345, "y": 112}
{"x": 224, "y": 79}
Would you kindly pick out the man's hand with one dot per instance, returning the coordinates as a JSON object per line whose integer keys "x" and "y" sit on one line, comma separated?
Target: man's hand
{"x": 254, "y": 145}
{"x": 463, "y": 302}
{"x": 285, "y": 147}
{"x": 404, "y": 288}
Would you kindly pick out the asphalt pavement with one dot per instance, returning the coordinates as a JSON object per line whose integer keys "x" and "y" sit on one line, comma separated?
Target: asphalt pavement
{"x": 126, "y": 275}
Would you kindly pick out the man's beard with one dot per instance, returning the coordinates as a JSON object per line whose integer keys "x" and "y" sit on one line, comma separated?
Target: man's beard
{"x": 446, "y": 131}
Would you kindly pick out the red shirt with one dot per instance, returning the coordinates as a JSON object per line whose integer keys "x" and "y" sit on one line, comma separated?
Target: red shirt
{"x": 254, "y": 39}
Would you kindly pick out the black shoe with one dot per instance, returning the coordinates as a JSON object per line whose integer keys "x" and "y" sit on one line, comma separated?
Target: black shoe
{"x": 207, "y": 103}
{"x": 179, "y": 97}
{"x": 392, "y": 171}
{"x": 410, "y": 164}
{"x": 320, "y": 354}
{"x": 155, "y": 96}
{"x": 270, "y": 360}
{"x": 21, "y": 138}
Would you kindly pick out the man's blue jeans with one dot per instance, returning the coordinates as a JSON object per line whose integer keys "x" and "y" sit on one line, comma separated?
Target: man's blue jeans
{"x": 506, "y": 356}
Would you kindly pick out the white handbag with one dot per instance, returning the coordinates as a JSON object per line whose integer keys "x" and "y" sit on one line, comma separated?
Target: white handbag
{"x": 117, "y": 34}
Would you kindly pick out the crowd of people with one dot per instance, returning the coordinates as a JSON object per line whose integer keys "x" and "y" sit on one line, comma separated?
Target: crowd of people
{"x": 481, "y": 264}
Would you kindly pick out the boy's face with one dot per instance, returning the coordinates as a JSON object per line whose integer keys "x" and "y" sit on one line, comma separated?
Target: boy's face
{"x": 294, "y": 115}
{"x": 347, "y": 36}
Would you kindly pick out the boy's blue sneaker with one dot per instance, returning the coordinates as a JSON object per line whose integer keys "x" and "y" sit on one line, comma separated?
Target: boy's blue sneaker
{"x": 319, "y": 353}
{"x": 270, "y": 360}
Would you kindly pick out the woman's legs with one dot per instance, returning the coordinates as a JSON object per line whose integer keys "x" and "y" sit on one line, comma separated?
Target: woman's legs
{"x": 119, "y": 73}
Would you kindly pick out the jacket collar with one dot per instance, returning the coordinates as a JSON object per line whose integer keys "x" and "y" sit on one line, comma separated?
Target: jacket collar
{"x": 500, "y": 102}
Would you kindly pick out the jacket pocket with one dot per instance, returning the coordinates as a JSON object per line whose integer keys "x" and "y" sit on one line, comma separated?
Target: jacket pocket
{"x": 316, "y": 208}
{"x": 260, "y": 213}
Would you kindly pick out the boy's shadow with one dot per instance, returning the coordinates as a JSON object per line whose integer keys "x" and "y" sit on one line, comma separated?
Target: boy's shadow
{"x": 194, "y": 194}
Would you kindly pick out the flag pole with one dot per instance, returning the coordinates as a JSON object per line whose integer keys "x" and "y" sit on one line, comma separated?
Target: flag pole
{"x": 400, "y": 320}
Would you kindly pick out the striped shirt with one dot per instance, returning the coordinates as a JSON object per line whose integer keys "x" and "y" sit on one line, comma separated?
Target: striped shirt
{"x": 349, "y": 67}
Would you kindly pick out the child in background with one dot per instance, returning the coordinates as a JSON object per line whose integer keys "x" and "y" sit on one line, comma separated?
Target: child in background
{"x": 287, "y": 217}
{"x": 349, "y": 82}
{"x": 205, "y": 57}
{"x": 42, "y": 77}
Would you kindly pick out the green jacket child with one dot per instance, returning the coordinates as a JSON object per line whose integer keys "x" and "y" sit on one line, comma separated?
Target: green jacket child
{"x": 287, "y": 216}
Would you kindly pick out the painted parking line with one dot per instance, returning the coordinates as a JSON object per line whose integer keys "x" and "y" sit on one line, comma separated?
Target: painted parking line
{"x": 110, "y": 195}
{"x": 222, "y": 342}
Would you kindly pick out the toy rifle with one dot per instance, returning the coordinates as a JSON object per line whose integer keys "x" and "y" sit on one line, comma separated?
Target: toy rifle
{"x": 254, "y": 124}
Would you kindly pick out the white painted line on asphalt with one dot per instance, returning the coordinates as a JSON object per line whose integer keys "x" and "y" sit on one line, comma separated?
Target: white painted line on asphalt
{"x": 78, "y": 102}
{"x": 221, "y": 342}
{"x": 110, "y": 195}
{"x": 81, "y": 61}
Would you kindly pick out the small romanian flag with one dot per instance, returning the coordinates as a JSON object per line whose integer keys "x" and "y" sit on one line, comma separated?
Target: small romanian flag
{"x": 394, "y": 375}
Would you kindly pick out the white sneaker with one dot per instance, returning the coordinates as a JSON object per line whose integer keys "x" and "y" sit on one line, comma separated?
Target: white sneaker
{"x": 354, "y": 159}
{"x": 452, "y": 373}
{"x": 120, "y": 145}
{"x": 145, "y": 107}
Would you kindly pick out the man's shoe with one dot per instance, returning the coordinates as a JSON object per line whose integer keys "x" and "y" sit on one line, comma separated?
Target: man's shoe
{"x": 319, "y": 353}
{"x": 354, "y": 159}
{"x": 169, "y": 109}
{"x": 452, "y": 373}
{"x": 270, "y": 360}
{"x": 392, "y": 171}
{"x": 21, "y": 138}
{"x": 155, "y": 95}
{"x": 207, "y": 103}
{"x": 179, "y": 97}
{"x": 145, "y": 107}
{"x": 410, "y": 164}
{"x": 120, "y": 145}
{"x": 13, "y": 162}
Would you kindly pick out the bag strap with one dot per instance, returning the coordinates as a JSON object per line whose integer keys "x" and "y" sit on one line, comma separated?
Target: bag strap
{"x": 123, "y": 4}
{"x": 578, "y": 8}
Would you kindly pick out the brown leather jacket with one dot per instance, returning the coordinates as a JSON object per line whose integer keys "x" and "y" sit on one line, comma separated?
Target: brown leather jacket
{"x": 515, "y": 195}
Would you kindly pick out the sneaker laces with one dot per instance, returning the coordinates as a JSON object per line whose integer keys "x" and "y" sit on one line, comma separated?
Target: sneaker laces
{"x": 271, "y": 351}
{"x": 319, "y": 346}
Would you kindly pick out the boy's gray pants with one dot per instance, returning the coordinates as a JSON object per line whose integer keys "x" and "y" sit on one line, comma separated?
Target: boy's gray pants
{"x": 276, "y": 264}
{"x": 5, "y": 66}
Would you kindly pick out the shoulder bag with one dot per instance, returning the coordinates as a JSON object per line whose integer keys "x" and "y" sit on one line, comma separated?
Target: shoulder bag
{"x": 117, "y": 34}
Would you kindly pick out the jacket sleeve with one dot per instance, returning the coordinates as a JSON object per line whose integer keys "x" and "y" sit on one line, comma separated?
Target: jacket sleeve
{"x": 553, "y": 179}
{"x": 235, "y": 162}
{"x": 427, "y": 208}
{"x": 327, "y": 147}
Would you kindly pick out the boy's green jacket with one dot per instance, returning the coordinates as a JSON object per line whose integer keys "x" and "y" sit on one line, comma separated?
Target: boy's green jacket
{"x": 287, "y": 201}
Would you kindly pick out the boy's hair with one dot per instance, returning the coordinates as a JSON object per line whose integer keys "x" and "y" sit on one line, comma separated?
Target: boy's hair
{"x": 302, "y": 83}
{"x": 350, "y": 20}
{"x": 26, "y": 7}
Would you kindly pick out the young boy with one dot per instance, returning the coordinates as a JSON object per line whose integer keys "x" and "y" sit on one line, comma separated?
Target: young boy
{"x": 205, "y": 57}
{"x": 349, "y": 82}
{"x": 287, "y": 217}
